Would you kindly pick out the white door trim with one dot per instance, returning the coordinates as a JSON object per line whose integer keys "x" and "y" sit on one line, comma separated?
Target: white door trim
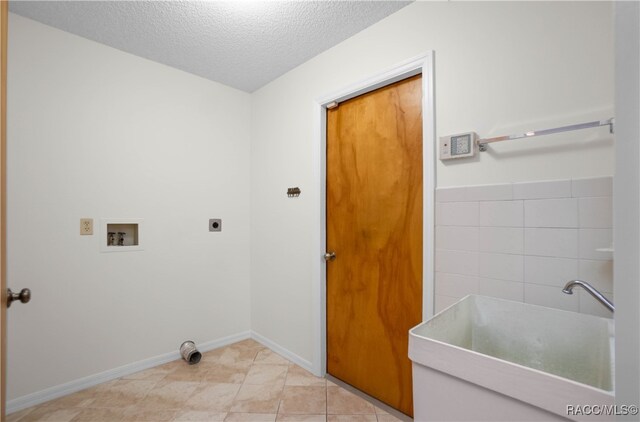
{"x": 422, "y": 64}
{"x": 626, "y": 206}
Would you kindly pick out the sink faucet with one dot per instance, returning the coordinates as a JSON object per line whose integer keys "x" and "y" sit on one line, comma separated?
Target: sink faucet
{"x": 568, "y": 289}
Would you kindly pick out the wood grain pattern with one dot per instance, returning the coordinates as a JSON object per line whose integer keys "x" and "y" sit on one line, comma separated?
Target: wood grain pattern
{"x": 374, "y": 225}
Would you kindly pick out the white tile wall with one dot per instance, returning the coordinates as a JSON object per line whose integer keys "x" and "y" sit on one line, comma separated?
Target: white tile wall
{"x": 593, "y": 186}
{"x": 457, "y": 214}
{"x": 551, "y": 213}
{"x": 550, "y": 271}
{"x": 595, "y": 212}
{"x": 597, "y": 273}
{"x": 590, "y": 240}
{"x": 490, "y": 192}
{"x": 456, "y": 262}
{"x": 501, "y": 239}
{"x": 451, "y": 194}
{"x": 460, "y": 238}
{"x": 542, "y": 190}
{"x": 552, "y": 297}
{"x": 524, "y": 241}
{"x": 501, "y": 266}
{"x": 456, "y": 285}
{"x": 503, "y": 289}
{"x": 551, "y": 242}
{"x": 502, "y": 213}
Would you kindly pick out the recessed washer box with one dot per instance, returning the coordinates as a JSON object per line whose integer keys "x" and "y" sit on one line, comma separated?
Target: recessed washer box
{"x": 121, "y": 234}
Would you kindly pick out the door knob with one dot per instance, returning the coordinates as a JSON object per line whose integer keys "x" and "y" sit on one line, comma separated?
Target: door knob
{"x": 329, "y": 256}
{"x": 24, "y": 296}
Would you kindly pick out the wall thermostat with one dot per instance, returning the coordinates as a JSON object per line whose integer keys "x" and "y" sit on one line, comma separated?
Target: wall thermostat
{"x": 458, "y": 146}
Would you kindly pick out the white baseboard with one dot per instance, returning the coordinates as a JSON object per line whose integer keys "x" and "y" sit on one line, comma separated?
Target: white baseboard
{"x": 61, "y": 390}
{"x": 57, "y": 391}
{"x": 282, "y": 351}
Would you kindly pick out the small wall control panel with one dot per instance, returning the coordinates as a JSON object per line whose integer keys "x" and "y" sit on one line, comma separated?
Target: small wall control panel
{"x": 461, "y": 145}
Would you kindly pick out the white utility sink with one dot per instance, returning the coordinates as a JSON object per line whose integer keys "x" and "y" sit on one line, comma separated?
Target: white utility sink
{"x": 491, "y": 359}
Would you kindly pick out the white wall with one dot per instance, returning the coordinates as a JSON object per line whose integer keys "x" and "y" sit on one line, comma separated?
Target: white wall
{"x": 95, "y": 132}
{"x": 627, "y": 205}
{"x": 500, "y": 67}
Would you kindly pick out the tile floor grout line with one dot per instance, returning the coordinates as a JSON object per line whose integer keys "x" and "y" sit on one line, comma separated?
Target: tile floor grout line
{"x": 241, "y": 385}
{"x": 147, "y": 393}
{"x": 237, "y": 354}
{"x": 282, "y": 393}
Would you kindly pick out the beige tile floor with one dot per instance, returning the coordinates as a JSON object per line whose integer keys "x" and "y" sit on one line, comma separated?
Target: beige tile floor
{"x": 241, "y": 382}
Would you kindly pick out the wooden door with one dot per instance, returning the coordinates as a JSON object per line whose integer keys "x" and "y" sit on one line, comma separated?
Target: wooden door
{"x": 374, "y": 226}
{"x": 4, "y": 16}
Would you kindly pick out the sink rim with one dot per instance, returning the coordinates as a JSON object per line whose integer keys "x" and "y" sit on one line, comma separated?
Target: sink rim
{"x": 523, "y": 367}
{"x": 544, "y": 390}
{"x": 609, "y": 322}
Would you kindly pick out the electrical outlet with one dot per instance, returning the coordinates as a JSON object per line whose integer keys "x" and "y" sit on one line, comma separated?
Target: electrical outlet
{"x": 215, "y": 225}
{"x": 86, "y": 226}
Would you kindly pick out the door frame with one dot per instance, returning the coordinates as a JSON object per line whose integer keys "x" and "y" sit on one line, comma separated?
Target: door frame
{"x": 4, "y": 22}
{"x": 424, "y": 64}
{"x": 626, "y": 206}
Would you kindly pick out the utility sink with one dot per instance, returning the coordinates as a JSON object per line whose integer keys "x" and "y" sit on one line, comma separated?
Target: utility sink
{"x": 491, "y": 359}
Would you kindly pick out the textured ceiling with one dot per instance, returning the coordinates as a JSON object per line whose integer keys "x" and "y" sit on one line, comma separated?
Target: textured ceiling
{"x": 243, "y": 44}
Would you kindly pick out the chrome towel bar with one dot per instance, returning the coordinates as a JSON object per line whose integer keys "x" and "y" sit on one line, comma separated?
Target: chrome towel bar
{"x": 482, "y": 143}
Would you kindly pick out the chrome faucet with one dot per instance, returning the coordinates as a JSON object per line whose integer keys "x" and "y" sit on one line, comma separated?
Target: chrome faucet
{"x": 568, "y": 289}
